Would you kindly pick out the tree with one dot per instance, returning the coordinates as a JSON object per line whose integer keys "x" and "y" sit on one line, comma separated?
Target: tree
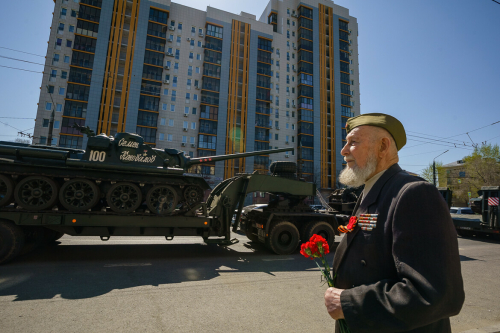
{"x": 427, "y": 173}
{"x": 21, "y": 140}
{"x": 482, "y": 167}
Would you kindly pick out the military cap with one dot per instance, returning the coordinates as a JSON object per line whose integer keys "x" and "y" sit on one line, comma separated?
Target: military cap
{"x": 389, "y": 123}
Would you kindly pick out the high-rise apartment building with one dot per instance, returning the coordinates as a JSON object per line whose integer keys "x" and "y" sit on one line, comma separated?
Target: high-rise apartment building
{"x": 206, "y": 82}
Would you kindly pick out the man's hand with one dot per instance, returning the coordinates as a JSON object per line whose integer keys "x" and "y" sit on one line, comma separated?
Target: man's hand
{"x": 332, "y": 303}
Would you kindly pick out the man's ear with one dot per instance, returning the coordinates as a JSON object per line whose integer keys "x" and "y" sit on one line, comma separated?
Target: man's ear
{"x": 384, "y": 147}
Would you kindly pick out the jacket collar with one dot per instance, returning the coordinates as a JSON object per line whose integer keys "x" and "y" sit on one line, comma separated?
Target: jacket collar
{"x": 362, "y": 204}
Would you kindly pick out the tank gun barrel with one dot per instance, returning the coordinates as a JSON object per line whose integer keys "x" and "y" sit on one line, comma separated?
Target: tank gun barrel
{"x": 199, "y": 160}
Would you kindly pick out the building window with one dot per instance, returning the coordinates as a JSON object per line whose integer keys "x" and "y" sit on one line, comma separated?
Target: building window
{"x": 198, "y": 57}
{"x": 179, "y": 26}
{"x": 172, "y": 108}
{"x": 189, "y": 83}
{"x": 195, "y": 97}
{"x": 199, "y": 43}
{"x": 197, "y": 70}
{"x": 194, "y": 111}
{"x": 55, "y": 60}
{"x": 162, "y": 137}
{"x": 64, "y": 75}
{"x": 171, "y": 122}
{"x": 170, "y": 137}
{"x": 186, "y": 110}
{"x": 71, "y": 28}
{"x": 66, "y": 59}
{"x": 191, "y": 55}
{"x": 73, "y": 13}
{"x": 51, "y": 89}
{"x": 184, "y": 139}
{"x": 164, "y": 107}
{"x": 43, "y": 140}
{"x": 174, "y": 95}
{"x": 45, "y": 123}
{"x": 177, "y": 54}
{"x": 56, "y": 124}
{"x": 60, "y": 30}
{"x": 58, "y": 107}
{"x": 58, "y": 43}
{"x": 188, "y": 96}
{"x": 190, "y": 70}
{"x": 276, "y": 136}
{"x": 48, "y": 106}
{"x": 69, "y": 43}
{"x": 174, "y": 84}
{"x": 165, "y": 92}
{"x": 62, "y": 91}
{"x": 162, "y": 121}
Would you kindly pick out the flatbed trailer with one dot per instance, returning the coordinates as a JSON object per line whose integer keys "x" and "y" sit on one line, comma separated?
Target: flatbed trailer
{"x": 287, "y": 220}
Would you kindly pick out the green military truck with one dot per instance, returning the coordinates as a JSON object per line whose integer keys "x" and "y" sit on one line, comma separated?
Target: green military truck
{"x": 120, "y": 186}
{"x": 487, "y": 222}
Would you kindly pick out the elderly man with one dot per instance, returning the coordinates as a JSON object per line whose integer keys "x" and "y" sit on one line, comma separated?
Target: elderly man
{"x": 397, "y": 269}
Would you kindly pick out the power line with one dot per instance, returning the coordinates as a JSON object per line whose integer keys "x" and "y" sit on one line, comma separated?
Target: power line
{"x": 16, "y": 59}
{"x": 421, "y": 137}
{"x": 20, "y": 69}
{"x": 439, "y": 144}
{"x": 6, "y": 48}
{"x": 14, "y": 118}
{"x": 496, "y": 1}
{"x": 427, "y": 152}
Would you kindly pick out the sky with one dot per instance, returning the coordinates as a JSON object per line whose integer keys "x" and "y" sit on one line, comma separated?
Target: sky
{"x": 434, "y": 65}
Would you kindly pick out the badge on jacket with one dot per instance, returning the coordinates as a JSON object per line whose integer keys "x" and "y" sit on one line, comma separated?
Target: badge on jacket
{"x": 350, "y": 226}
{"x": 367, "y": 221}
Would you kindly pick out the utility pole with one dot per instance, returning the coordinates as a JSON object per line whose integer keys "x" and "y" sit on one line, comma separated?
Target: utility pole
{"x": 434, "y": 167}
{"x": 51, "y": 120}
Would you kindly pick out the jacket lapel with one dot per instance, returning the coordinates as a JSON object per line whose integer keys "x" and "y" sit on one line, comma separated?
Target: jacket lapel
{"x": 362, "y": 205}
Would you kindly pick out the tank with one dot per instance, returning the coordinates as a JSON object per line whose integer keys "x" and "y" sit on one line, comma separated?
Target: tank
{"x": 117, "y": 174}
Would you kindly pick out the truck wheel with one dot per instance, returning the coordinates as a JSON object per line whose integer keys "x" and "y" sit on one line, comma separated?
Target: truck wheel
{"x": 11, "y": 241}
{"x": 322, "y": 229}
{"x": 36, "y": 193}
{"x": 6, "y": 190}
{"x": 283, "y": 238}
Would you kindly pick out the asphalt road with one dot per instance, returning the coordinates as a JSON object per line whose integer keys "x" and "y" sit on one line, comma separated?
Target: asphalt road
{"x": 146, "y": 284}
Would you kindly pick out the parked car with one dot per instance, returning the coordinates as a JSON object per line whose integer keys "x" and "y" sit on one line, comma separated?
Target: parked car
{"x": 316, "y": 207}
{"x": 461, "y": 210}
{"x": 246, "y": 209}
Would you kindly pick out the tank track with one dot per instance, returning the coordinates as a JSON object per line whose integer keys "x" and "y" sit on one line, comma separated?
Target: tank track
{"x": 74, "y": 191}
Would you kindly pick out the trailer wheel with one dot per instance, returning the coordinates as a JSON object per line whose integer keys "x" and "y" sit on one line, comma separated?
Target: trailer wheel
{"x": 11, "y": 241}
{"x": 6, "y": 190}
{"x": 36, "y": 193}
{"x": 322, "y": 229}
{"x": 283, "y": 238}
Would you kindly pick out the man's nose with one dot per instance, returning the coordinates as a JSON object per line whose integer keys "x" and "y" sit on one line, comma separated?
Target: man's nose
{"x": 344, "y": 151}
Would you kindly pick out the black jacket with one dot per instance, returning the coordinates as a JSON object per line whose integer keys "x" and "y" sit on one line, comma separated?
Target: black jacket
{"x": 404, "y": 275}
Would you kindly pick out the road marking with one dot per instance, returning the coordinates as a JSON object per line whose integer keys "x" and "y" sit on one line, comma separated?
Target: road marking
{"x": 278, "y": 259}
{"x": 127, "y": 265}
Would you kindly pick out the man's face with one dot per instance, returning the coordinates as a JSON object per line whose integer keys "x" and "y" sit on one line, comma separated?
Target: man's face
{"x": 360, "y": 155}
{"x": 358, "y": 148}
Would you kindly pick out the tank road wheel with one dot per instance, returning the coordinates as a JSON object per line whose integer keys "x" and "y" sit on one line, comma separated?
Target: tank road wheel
{"x": 124, "y": 197}
{"x": 78, "y": 195}
{"x": 162, "y": 199}
{"x": 322, "y": 229}
{"x": 283, "y": 238}
{"x": 6, "y": 190}
{"x": 36, "y": 193}
{"x": 11, "y": 241}
{"x": 193, "y": 195}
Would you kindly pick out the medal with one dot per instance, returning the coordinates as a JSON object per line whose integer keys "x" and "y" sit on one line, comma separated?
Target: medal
{"x": 368, "y": 221}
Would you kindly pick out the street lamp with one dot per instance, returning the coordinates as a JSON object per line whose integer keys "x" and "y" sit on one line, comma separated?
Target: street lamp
{"x": 434, "y": 167}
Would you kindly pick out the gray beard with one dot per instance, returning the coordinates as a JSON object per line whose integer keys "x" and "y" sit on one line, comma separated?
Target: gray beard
{"x": 357, "y": 176}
